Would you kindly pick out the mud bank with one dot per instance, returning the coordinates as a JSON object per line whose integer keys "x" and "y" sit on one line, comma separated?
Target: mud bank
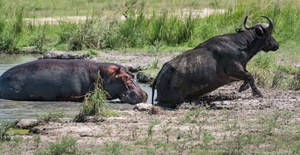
{"x": 219, "y": 122}
{"x": 225, "y": 122}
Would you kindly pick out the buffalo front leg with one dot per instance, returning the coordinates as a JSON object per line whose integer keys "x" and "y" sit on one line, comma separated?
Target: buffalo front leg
{"x": 251, "y": 81}
{"x": 244, "y": 86}
{"x": 237, "y": 71}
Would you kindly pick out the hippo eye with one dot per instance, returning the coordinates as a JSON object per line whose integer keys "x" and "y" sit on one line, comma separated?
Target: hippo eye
{"x": 125, "y": 78}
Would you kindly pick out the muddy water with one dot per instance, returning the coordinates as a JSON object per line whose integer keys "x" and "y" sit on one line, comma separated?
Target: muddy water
{"x": 28, "y": 109}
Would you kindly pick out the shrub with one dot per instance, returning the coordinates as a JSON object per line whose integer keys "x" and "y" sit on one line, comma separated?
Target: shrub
{"x": 4, "y": 128}
{"x": 90, "y": 34}
{"x": 50, "y": 116}
{"x": 10, "y": 31}
{"x": 95, "y": 103}
{"x": 65, "y": 146}
{"x": 112, "y": 148}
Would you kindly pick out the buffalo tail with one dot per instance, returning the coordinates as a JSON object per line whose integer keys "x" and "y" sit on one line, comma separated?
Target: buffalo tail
{"x": 153, "y": 90}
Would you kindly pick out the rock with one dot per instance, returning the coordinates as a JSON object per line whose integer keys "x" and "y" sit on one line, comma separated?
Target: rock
{"x": 155, "y": 110}
{"x": 143, "y": 78}
{"x": 90, "y": 119}
{"x": 27, "y": 123}
{"x": 135, "y": 69}
{"x": 62, "y": 55}
{"x": 36, "y": 130}
{"x": 143, "y": 107}
{"x": 81, "y": 118}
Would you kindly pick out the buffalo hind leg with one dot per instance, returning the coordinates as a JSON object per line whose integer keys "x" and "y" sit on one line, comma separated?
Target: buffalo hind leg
{"x": 237, "y": 71}
{"x": 172, "y": 99}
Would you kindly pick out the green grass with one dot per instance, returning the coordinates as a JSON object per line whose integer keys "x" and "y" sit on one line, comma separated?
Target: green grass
{"x": 112, "y": 148}
{"x": 271, "y": 73}
{"x": 67, "y": 145}
{"x": 5, "y": 126}
{"x": 143, "y": 27}
{"x": 50, "y": 117}
{"x": 17, "y": 131}
{"x": 95, "y": 103}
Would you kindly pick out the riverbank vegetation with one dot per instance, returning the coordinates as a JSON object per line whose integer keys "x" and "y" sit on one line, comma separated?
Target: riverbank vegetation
{"x": 94, "y": 104}
{"x": 135, "y": 23}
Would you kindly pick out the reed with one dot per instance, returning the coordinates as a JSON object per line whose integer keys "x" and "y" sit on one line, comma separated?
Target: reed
{"x": 95, "y": 103}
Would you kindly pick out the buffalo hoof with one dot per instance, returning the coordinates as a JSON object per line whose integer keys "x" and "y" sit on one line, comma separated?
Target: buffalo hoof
{"x": 168, "y": 105}
{"x": 257, "y": 95}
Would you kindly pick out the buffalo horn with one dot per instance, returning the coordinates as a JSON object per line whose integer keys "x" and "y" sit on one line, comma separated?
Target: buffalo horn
{"x": 270, "y": 27}
{"x": 245, "y": 23}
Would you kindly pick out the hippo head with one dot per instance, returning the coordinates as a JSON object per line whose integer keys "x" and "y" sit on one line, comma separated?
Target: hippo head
{"x": 121, "y": 85}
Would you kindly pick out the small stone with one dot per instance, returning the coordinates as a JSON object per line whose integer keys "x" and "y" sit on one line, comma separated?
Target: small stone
{"x": 27, "y": 123}
{"x": 143, "y": 78}
{"x": 142, "y": 107}
{"x": 155, "y": 110}
{"x": 62, "y": 55}
{"x": 135, "y": 69}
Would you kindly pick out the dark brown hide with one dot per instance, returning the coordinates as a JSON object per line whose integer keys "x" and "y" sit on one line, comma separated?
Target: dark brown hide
{"x": 216, "y": 62}
{"x": 68, "y": 80}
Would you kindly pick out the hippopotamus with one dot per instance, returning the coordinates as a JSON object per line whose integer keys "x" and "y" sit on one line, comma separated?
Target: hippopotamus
{"x": 68, "y": 80}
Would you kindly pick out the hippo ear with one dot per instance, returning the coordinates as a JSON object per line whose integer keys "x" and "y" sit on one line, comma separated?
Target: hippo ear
{"x": 118, "y": 70}
{"x": 259, "y": 31}
{"x": 129, "y": 73}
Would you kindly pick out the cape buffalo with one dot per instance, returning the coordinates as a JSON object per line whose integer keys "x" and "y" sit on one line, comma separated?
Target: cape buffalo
{"x": 68, "y": 80}
{"x": 216, "y": 62}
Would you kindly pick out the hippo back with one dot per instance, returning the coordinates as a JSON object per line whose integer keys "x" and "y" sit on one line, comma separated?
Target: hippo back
{"x": 48, "y": 79}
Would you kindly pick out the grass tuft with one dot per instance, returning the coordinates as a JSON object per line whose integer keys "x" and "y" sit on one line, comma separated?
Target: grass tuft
{"x": 5, "y": 126}
{"x": 66, "y": 146}
{"x": 50, "y": 117}
{"x": 95, "y": 103}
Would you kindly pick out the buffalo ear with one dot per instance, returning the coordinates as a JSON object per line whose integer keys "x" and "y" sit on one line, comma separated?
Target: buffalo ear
{"x": 259, "y": 31}
{"x": 238, "y": 30}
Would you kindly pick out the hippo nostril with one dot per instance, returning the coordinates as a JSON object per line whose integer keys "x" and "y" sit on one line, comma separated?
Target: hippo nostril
{"x": 134, "y": 97}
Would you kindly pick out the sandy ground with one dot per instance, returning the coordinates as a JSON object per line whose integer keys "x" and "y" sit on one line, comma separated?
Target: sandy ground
{"x": 225, "y": 106}
{"x": 79, "y": 19}
{"x": 224, "y": 115}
